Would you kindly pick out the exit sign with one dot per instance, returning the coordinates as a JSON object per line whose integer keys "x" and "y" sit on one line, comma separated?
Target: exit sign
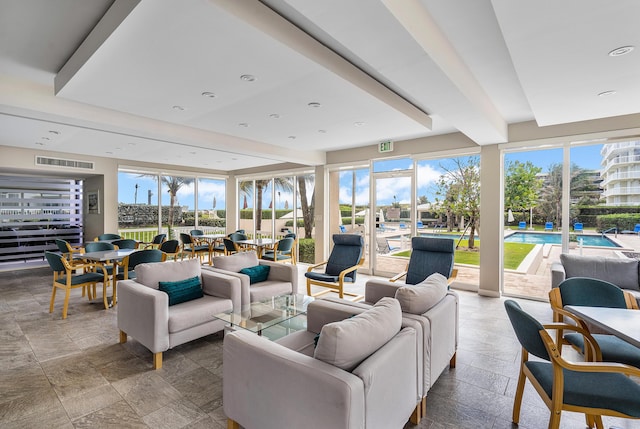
{"x": 385, "y": 147}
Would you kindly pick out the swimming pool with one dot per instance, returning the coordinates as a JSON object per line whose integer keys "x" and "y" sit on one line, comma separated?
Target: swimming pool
{"x": 538, "y": 238}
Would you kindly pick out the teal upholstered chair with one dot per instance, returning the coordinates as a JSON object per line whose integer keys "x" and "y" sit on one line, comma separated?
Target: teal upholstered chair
{"x": 584, "y": 291}
{"x": 584, "y": 387}
{"x": 99, "y": 246}
{"x": 125, "y": 243}
{"x": 346, "y": 257}
{"x": 102, "y": 237}
{"x": 230, "y": 247}
{"x": 196, "y": 232}
{"x": 129, "y": 263}
{"x": 155, "y": 243}
{"x": 193, "y": 249}
{"x": 65, "y": 278}
{"x": 67, "y": 249}
{"x": 429, "y": 255}
{"x": 282, "y": 252}
{"x": 171, "y": 248}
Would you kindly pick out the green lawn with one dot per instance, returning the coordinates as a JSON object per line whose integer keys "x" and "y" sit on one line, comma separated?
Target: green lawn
{"x": 514, "y": 254}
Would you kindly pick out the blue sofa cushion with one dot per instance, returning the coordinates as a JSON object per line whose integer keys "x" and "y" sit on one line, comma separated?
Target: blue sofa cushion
{"x": 182, "y": 290}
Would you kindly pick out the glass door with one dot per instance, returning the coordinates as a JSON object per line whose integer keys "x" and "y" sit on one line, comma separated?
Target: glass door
{"x": 390, "y": 222}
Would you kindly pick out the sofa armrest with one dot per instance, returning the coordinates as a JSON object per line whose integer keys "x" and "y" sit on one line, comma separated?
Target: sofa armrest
{"x": 284, "y": 273}
{"x": 245, "y": 296}
{"x": 391, "y": 372}
{"x": 143, "y": 313}
{"x": 223, "y": 286}
{"x": 260, "y": 376}
{"x": 376, "y": 289}
{"x": 557, "y": 274}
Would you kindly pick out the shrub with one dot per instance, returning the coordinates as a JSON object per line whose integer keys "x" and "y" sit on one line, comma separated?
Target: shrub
{"x": 623, "y": 221}
{"x": 307, "y": 250}
{"x": 290, "y": 223}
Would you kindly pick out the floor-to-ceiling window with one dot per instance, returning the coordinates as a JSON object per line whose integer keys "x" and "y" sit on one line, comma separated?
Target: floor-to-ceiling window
{"x": 138, "y": 204}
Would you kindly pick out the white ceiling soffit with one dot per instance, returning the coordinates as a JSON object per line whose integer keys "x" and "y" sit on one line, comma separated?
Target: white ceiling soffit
{"x": 560, "y": 52}
{"x": 412, "y": 56}
{"x": 147, "y": 65}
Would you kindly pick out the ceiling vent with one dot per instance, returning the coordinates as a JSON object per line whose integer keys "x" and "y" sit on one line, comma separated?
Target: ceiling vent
{"x": 66, "y": 163}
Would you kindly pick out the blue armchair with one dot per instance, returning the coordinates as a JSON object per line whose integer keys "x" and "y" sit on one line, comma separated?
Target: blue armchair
{"x": 429, "y": 255}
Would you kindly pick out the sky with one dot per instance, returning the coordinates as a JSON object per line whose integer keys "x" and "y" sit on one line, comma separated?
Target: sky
{"x": 429, "y": 172}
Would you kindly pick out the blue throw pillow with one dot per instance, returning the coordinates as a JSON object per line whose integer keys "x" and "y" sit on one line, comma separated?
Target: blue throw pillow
{"x": 256, "y": 274}
{"x": 182, "y": 290}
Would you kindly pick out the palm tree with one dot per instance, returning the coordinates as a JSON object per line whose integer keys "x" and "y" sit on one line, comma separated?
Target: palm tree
{"x": 246, "y": 188}
{"x": 174, "y": 183}
{"x": 307, "y": 210}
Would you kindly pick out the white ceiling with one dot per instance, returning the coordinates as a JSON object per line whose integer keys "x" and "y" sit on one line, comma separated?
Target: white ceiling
{"x": 106, "y": 75}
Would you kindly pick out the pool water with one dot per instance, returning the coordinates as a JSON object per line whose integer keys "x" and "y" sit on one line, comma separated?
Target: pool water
{"x": 537, "y": 238}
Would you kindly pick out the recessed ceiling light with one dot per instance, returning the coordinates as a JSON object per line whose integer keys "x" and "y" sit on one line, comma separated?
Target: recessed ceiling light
{"x": 243, "y": 124}
{"x": 180, "y": 108}
{"x": 54, "y": 132}
{"x": 192, "y": 153}
{"x": 40, "y": 143}
{"x": 606, "y": 93}
{"x": 314, "y": 104}
{"x": 248, "y": 77}
{"x": 322, "y": 131}
{"x": 208, "y": 94}
{"x": 234, "y": 159}
{"x": 623, "y": 50}
{"x": 292, "y": 137}
{"x": 358, "y": 124}
{"x": 274, "y": 116}
{"x": 109, "y": 153}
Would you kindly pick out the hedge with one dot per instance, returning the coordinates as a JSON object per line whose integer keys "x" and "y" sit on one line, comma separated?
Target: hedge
{"x": 307, "y": 250}
{"x": 623, "y": 221}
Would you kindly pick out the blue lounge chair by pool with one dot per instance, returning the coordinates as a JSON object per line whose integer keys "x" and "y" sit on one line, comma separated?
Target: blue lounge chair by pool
{"x": 343, "y": 229}
{"x": 578, "y": 227}
{"x": 419, "y": 224}
{"x": 548, "y": 226}
{"x": 636, "y": 228}
{"x": 522, "y": 225}
{"x": 403, "y": 226}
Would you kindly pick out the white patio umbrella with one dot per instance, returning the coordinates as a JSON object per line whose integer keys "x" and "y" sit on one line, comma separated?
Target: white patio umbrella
{"x": 510, "y": 217}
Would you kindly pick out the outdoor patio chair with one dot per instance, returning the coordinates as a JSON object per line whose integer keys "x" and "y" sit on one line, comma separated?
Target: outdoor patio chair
{"x": 578, "y": 227}
{"x": 429, "y": 255}
{"x": 65, "y": 278}
{"x": 419, "y": 224}
{"x": 594, "y": 293}
{"x": 636, "y": 229}
{"x": 583, "y": 387}
{"x": 548, "y": 226}
{"x": 383, "y": 245}
{"x": 346, "y": 257}
{"x": 522, "y": 225}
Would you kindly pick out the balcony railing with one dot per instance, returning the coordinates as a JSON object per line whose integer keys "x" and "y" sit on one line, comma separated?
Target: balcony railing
{"x": 613, "y": 147}
{"x": 627, "y": 175}
{"x": 622, "y": 191}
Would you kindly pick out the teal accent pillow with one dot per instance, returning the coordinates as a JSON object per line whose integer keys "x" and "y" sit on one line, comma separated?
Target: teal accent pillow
{"x": 256, "y": 274}
{"x": 182, "y": 290}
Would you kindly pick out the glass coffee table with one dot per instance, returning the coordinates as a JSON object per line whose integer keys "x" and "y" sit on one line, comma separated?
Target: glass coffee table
{"x": 261, "y": 315}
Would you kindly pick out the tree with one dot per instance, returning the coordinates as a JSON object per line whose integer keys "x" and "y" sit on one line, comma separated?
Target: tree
{"x": 307, "y": 210}
{"x": 458, "y": 193}
{"x": 551, "y": 195}
{"x": 246, "y": 187}
{"x": 174, "y": 183}
{"x": 522, "y": 186}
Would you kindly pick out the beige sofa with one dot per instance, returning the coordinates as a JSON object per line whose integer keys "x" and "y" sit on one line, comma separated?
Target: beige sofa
{"x": 282, "y": 278}
{"x": 622, "y": 272}
{"x": 432, "y": 310}
{"x": 145, "y": 314}
{"x": 361, "y": 374}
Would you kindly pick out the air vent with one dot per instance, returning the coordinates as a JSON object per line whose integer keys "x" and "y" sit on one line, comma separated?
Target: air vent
{"x": 67, "y": 163}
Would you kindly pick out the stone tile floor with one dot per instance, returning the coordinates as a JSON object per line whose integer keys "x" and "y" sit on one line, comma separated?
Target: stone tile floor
{"x": 73, "y": 373}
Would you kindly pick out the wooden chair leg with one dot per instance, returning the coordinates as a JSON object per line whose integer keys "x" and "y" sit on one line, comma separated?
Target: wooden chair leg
{"x": 157, "y": 360}
{"x": 423, "y": 403}
{"x": 123, "y": 337}
{"x": 66, "y": 303}
{"x": 416, "y": 416}
{"x": 53, "y": 298}
{"x": 517, "y": 400}
{"x": 232, "y": 424}
{"x": 452, "y": 362}
{"x": 104, "y": 296}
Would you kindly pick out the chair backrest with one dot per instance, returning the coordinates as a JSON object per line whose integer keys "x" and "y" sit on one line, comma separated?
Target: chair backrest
{"x": 62, "y": 245}
{"x": 419, "y": 224}
{"x": 236, "y": 236}
{"x": 125, "y": 243}
{"x": 142, "y": 257}
{"x": 229, "y": 245}
{"x": 577, "y": 226}
{"x": 527, "y": 330}
{"x": 109, "y": 237}
{"x": 346, "y": 252}
{"x": 636, "y": 228}
{"x": 98, "y": 246}
{"x": 291, "y": 235}
{"x": 196, "y": 232}
{"x": 430, "y": 255}
{"x": 522, "y": 224}
{"x": 55, "y": 261}
{"x": 170, "y": 246}
{"x": 285, "y": 244}
{"x": 383, "y": 245}
{"x": 548, "y": 225}
{"x": 241, "y": 231}
{"x": 591, "y": 292}
{"x": 185, "y": 238}
{"x": 159, "y": 239}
